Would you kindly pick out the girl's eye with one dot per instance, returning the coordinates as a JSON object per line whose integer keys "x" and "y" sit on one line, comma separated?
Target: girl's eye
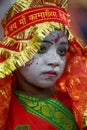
{"x": 42, "y": 50}
{"x": 62, "y": 51}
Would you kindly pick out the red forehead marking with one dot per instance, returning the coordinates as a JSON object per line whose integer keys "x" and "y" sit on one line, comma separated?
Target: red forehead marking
{"x": 56, "y": 39}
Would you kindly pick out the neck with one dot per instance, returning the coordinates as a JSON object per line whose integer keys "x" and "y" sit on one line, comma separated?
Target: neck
{"x": 26, "y": 87}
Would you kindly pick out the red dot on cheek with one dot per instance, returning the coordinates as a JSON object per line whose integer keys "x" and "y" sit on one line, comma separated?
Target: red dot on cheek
{"x": 30, "y": 62}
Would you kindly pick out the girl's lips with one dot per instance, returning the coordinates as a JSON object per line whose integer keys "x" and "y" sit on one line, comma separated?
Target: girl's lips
{"x": 50, "y": 74}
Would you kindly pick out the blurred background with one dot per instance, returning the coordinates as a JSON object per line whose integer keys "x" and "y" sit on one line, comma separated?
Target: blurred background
{"x": 4, "y": 5}
{"x": 78, "y": 12}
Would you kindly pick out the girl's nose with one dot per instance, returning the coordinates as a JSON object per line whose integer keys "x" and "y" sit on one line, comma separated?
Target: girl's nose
{"x": 53, "y": 63}
{"x": 53, "y": 59}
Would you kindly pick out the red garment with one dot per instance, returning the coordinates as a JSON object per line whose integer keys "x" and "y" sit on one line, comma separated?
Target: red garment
{"x": 35, "y": 122}
{"x": 18, "y": 115}
{"x": 64, "y": 98}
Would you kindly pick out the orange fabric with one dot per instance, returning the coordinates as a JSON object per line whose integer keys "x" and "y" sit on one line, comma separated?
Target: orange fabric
{"x": 74, "y": 79}
{"x": 5, "y": 97}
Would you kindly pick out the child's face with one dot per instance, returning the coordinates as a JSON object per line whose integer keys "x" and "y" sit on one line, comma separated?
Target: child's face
{"x": 48, "y": 64}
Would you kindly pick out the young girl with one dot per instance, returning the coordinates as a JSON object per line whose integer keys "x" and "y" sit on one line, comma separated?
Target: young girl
{"x": 45, "y": 58}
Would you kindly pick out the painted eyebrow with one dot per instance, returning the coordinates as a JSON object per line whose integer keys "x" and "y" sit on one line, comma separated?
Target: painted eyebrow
{"x": 46, "y": 40}
{"x": 63, "y": 43}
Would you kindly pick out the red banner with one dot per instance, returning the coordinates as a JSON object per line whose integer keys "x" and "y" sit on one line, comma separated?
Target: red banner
{"x": 30, "y": 17}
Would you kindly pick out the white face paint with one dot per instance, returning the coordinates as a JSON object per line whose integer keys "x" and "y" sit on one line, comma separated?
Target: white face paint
{"x": 48, "y": 64}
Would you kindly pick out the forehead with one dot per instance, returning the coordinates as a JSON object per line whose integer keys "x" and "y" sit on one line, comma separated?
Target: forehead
{"x": 56, "y": 33}
{"x": 56, "y": 36}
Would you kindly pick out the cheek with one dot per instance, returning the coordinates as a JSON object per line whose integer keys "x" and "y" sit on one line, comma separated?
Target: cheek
{"x": 33, "y": 62}
{"x": 63, "y": 61}
{"x": 63, "y": 64}
{"x": 32, "y": 66}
